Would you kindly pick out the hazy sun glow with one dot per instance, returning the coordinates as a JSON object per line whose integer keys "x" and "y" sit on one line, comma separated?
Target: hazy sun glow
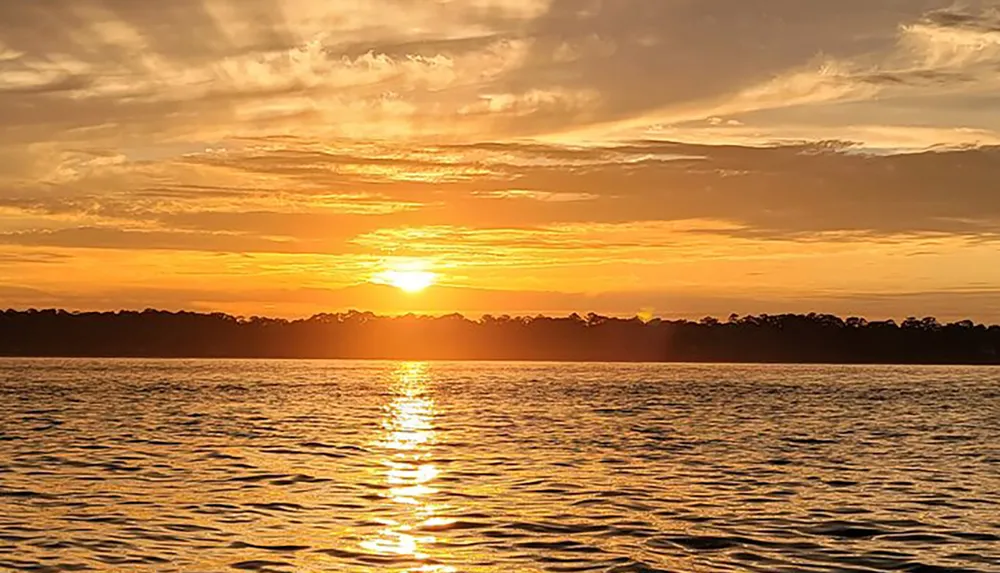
{"x": 407, "y": 280}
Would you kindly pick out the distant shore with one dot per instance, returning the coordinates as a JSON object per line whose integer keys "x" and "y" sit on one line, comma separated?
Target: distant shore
{"x": 764, "y": 339}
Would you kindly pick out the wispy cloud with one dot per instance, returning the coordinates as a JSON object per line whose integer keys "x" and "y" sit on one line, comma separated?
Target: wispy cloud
{"x": 551, "y": 145}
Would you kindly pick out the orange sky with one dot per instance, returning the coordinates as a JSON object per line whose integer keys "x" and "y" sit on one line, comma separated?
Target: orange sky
{"x": 685, "y": 158}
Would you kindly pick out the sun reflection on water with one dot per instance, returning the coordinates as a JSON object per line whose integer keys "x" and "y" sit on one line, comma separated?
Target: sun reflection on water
{"x": 410, "y": 473}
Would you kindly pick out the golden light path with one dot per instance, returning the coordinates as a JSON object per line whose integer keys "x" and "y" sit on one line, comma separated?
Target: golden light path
{"x": 410, "y": 473}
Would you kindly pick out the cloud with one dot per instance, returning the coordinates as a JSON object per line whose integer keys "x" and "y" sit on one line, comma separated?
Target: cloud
{"x": 392, "y": 69}
{"x": 602, "y": 144}
{"x": 675, "y": 54}
{"x": 913, "y": 64}
{"x": 121, "y": 69}
{"x": 112, "y": 238}
{"x": 33, "y": 258}
{"x": 296, "y": 189}
{"x": 546, "y": 196}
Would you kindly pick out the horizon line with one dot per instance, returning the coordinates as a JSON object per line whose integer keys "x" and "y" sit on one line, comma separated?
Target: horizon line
{"x": 511, "y": 315}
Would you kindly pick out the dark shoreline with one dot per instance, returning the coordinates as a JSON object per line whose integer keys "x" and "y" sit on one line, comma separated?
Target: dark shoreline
{"x": 783, "y": 339}
{"x": 485, "y": 360}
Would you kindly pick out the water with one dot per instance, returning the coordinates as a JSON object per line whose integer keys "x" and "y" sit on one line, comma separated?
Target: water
{"x": 114, "y": 465}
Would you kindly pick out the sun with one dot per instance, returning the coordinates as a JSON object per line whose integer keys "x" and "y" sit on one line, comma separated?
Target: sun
{"x": 405, "y": 280}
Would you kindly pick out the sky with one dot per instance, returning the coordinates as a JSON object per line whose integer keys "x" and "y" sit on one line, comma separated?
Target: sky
{"x": 679, "y": 158}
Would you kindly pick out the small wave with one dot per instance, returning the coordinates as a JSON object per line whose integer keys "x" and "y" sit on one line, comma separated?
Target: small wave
{"x": 261, "y": 565}
{"x": 283, "y": 467}
{"x": 272, "y": 548}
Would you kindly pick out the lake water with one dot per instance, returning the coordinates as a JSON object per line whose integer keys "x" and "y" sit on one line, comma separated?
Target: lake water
{"x": 120, "y": 465}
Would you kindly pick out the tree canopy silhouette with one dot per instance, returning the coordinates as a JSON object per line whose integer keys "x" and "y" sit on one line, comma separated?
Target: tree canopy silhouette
{"x": 812, "y": 338}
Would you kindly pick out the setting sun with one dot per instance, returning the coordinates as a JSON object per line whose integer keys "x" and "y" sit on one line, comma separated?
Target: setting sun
{"x": 407, "y": 280}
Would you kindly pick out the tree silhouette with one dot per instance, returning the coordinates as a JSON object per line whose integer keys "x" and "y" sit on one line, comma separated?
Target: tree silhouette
{"x": 811, "y": 338}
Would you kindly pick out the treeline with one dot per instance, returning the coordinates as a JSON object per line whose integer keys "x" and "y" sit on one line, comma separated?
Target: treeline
{"x": 812, "y": 338}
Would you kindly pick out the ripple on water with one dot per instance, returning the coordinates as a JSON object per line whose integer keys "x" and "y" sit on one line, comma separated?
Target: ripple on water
{"x": 162, "y": 466}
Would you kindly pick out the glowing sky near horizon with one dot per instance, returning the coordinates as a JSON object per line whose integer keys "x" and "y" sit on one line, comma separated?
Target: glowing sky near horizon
{"x": 677, "y": 157}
